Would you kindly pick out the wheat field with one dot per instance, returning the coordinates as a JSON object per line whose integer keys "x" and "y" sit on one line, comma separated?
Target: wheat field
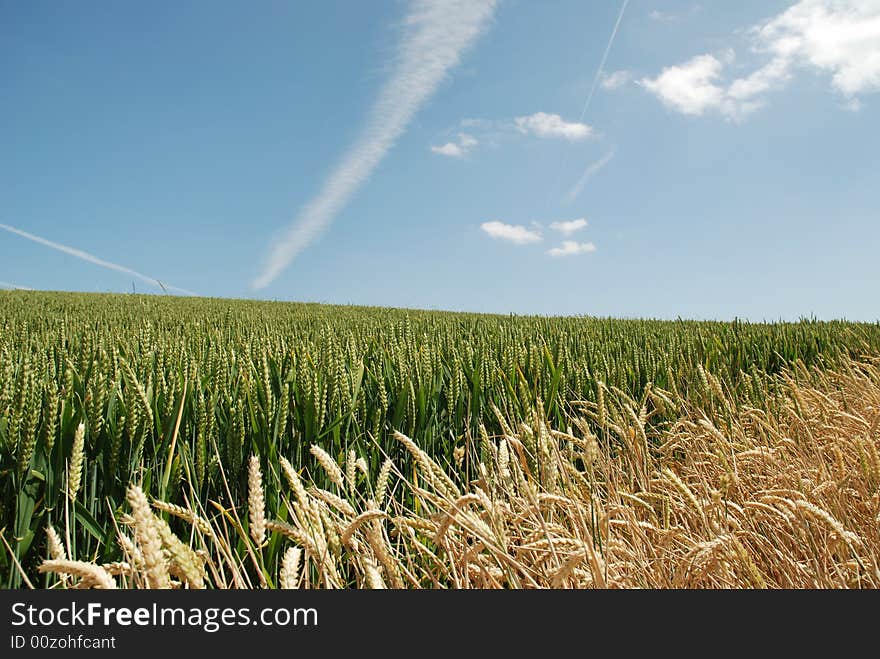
{"x": 165, "y": 442}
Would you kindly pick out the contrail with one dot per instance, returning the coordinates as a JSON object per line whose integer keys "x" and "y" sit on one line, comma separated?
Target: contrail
{"x": 604, "y": 57}
{"x": 589, "y": 173}
{"x": 9, "y": 284}
{"x": 599, "y": 70}
{"x": 435, "y": 35}
{"x": 85, "y": 256}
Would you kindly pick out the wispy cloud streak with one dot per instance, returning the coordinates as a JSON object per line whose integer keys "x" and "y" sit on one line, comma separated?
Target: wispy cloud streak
{"x": 435, "y": 35}
{"x": 85, "y": 256}
{"x": 589, "y": 173}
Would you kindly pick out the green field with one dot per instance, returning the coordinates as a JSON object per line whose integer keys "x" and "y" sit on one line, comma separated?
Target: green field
{"x": 175, "y": 391}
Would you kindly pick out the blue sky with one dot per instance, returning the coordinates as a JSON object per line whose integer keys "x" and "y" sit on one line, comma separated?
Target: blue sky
{"x": 440, "y": 155}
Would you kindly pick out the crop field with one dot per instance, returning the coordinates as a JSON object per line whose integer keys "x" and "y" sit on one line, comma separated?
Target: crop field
{"x": 151, "y": 441}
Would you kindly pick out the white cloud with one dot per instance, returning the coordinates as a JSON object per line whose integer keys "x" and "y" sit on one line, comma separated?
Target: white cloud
{"x": 762, "y": 80}
{"x": 522, "y": 235}
{"x": 571, "y": 248}
{"x": 436, "y": 33}
{"x": 456, "y": 149}
{"x": 85, "y": 256}
{"x": 838, "y": 37}
{"x": 543, "y": 124}
{"x": 689, "y": 88}
{"x": 589, "y": 173}
{"x": 693, "y": 88}
{"x": 568, "y": 228}
{"x": 616, "y": 79}
{"x": 515, "y": 233}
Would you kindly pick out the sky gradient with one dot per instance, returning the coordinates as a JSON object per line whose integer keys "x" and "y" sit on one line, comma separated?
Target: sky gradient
{"x": 462, "y": 155}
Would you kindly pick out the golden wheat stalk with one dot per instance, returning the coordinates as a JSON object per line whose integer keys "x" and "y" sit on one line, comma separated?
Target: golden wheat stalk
{"x": 148, "y": 538}
{"x": 91, "y": 575}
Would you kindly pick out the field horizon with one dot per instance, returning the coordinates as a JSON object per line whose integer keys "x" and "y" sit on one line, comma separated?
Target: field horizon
{"x": 804, "y": 317}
